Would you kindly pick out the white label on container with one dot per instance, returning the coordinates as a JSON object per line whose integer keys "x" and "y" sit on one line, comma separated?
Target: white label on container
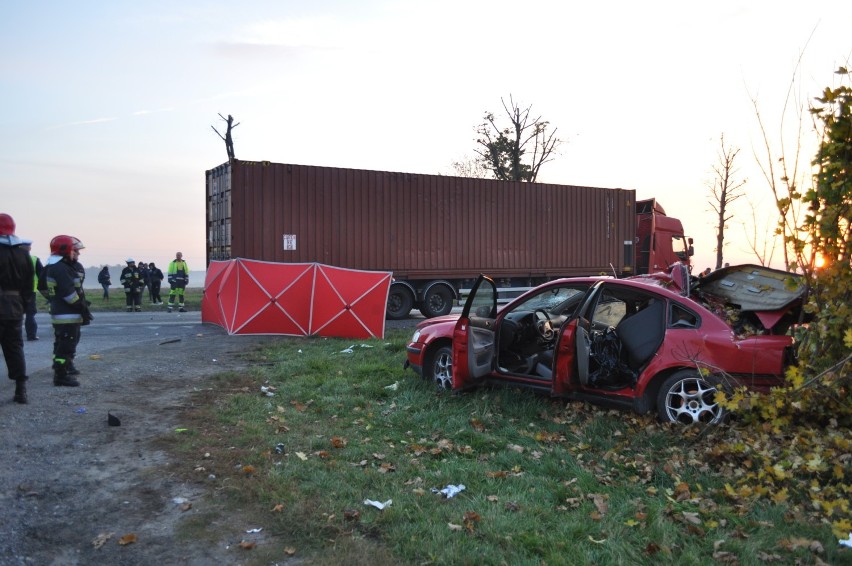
{"x": 289, "y": 242}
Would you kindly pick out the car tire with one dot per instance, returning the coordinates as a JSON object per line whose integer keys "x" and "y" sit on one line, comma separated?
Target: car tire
{"x": 437, "y": 302}
{"x": 439, "y": 368}
{"x": 687, "y": 397}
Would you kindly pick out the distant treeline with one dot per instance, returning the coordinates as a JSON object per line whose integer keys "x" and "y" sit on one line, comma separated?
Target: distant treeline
{"x": 196, "y": 278}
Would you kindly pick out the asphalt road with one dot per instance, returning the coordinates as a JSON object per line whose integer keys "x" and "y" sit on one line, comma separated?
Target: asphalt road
{"x": 112, "y": 329}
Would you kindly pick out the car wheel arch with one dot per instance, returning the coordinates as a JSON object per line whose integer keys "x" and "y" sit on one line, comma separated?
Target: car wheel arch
{"x": 429, "y": 356}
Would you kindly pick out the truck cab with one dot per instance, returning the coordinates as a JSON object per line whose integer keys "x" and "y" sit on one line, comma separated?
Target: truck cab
{"x": 660, "y": 239}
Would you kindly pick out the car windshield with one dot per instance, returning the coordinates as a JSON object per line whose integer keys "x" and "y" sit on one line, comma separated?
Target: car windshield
{"x": 558, "y": 300}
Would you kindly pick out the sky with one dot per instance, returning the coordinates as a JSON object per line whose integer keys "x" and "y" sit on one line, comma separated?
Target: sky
{"x": 107, "y": 107}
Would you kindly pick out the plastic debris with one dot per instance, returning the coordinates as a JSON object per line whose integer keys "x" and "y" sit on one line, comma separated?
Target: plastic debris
{"x": 348, "y": 350}
{"x": 257, "y": 530}
{"x": 81, "y": 411}
{"x": 378, "y": 504}
{"x": 393, "y": 387}
{"x": 267, "y": 391}
{"x": 847, "y": 542}
{"x": 279, "y": 448}
{"x": 449, "y": 491}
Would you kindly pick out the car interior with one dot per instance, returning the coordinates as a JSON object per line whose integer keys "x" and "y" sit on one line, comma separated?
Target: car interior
{"x": 626, "y": 328}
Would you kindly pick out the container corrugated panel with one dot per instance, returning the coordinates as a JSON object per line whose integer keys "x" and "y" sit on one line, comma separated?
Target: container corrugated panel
{"x": 417, "y": 225}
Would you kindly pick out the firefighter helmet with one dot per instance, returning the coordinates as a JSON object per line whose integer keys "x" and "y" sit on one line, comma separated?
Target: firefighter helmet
{"x": 64, "y": 245}
{"x": 7, "y": 225}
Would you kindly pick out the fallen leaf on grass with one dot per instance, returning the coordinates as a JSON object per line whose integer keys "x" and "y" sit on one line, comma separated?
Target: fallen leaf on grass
{"x": 516, "y": 448}
{"x": 247, "y": 544}
{"x": 351, "y": 514}
{"x": 301, "y": 456}
{"x": 185, "y": 506}
{"x": 289, "y": 550}
{"x": 386, "y": 467}
{"x": 95, "y": 357}
{"x": 600, "y": 503}
{"x": 603, "y": 540}
{"x": 477, "y": 425}
{"x": 129, "y": 538}
{"x": 101, "y": 539}
{"x": 338, "y": 442}
{"x": 454, "y": 527}
{"x": 692, "y": 518}
{"x": 248, "y": 470}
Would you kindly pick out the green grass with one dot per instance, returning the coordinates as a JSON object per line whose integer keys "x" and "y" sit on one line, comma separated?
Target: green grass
{"x": 546, "y": 482}
{"x": 117, "y": 303}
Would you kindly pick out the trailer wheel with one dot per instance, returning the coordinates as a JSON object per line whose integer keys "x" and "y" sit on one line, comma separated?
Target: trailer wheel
{"x": 437, "y": 302}
{"x": 400, "y": 301}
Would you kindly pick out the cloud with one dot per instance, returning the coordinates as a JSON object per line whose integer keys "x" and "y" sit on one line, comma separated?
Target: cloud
{"x": 84, "y": 123}
{"x": 143, "y": 112}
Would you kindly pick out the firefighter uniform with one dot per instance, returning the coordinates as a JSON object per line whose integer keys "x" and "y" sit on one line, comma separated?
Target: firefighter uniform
{"x": 62, "y": 284}
{"x": 133, "y": 283}
{"x": 16, "y": 288}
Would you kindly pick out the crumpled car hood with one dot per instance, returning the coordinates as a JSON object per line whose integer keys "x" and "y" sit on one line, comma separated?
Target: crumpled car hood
{"x": 753, "y": 287}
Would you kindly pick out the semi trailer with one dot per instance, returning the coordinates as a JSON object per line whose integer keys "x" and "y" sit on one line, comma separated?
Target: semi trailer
{"x": 436, "y": 233}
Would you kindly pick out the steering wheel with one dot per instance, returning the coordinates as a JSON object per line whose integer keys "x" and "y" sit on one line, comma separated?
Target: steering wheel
{"x": 544, "y": 325}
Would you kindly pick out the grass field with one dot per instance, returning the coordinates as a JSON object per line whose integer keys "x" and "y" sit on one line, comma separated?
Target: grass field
{"x": 116, "y": 302}
{"x": 316, "y": 428}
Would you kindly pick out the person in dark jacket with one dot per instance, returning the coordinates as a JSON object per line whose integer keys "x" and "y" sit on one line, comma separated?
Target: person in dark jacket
{"x": 105, "y": 281}
{"x": 31, "y": 307}
{"x": 16, "y": 288}
{"x": 156, "y": 276}
{"x": 62, "y": 284}
{"x": 133, "y": 283}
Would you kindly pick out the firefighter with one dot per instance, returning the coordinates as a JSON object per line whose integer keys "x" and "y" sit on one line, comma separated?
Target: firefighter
{"x": 31, "y": 307}
{"x": 62, "y": 284}
{"x": 178, "y": 277}
{"x": 16, "y": 288}
{"x": 133, "y": 283}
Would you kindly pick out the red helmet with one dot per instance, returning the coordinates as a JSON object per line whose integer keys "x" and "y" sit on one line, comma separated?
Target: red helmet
{"x": 64, "y": 245}
{"x": 7, "y": 224}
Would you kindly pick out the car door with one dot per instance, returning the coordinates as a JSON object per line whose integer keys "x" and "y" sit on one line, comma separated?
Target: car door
{"x": 573, "y": 345}
{"x": 474, "y": 350}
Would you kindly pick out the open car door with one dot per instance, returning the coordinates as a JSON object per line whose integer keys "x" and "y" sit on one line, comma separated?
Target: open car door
{"x": 573, "y": 347}
{"x": 474, "y": 336}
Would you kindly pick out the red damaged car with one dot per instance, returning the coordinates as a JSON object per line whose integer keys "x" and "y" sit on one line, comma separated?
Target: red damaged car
{"x": 634, "y": 343}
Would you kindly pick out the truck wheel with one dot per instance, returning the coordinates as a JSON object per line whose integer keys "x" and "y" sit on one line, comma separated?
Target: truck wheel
{"x": 437, "y": 302}
{"x": 400, "y": 302}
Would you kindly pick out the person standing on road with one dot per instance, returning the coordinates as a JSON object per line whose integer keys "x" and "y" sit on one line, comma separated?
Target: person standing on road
{"x": 16, "y": 288}
{"x": 62, "y": 284}
{"x": 105, "y": 281}
{"x": 178, "y": 274}
{"x": 133, "y": 283}
{"x": 156, "y": 275}
{"x": 31, "y": 307}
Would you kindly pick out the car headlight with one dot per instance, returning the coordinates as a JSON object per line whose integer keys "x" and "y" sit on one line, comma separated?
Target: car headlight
{"x": 416, "y": 336}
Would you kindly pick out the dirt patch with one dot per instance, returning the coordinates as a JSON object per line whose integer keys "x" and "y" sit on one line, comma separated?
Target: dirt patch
{"x": 71, "y": 486}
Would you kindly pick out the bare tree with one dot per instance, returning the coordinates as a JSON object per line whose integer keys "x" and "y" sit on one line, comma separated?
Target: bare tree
{"x": 503, "y": 150}
{"x": 472, "y": 168}
{"x": 724, "y": 190}
{"x": 763, "y": 247}
{"x": 229, "y": 141}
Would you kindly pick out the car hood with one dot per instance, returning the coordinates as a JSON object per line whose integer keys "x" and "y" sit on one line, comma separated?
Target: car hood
{"x": 437, "y": 320}
{"x": 753, "y": 287}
